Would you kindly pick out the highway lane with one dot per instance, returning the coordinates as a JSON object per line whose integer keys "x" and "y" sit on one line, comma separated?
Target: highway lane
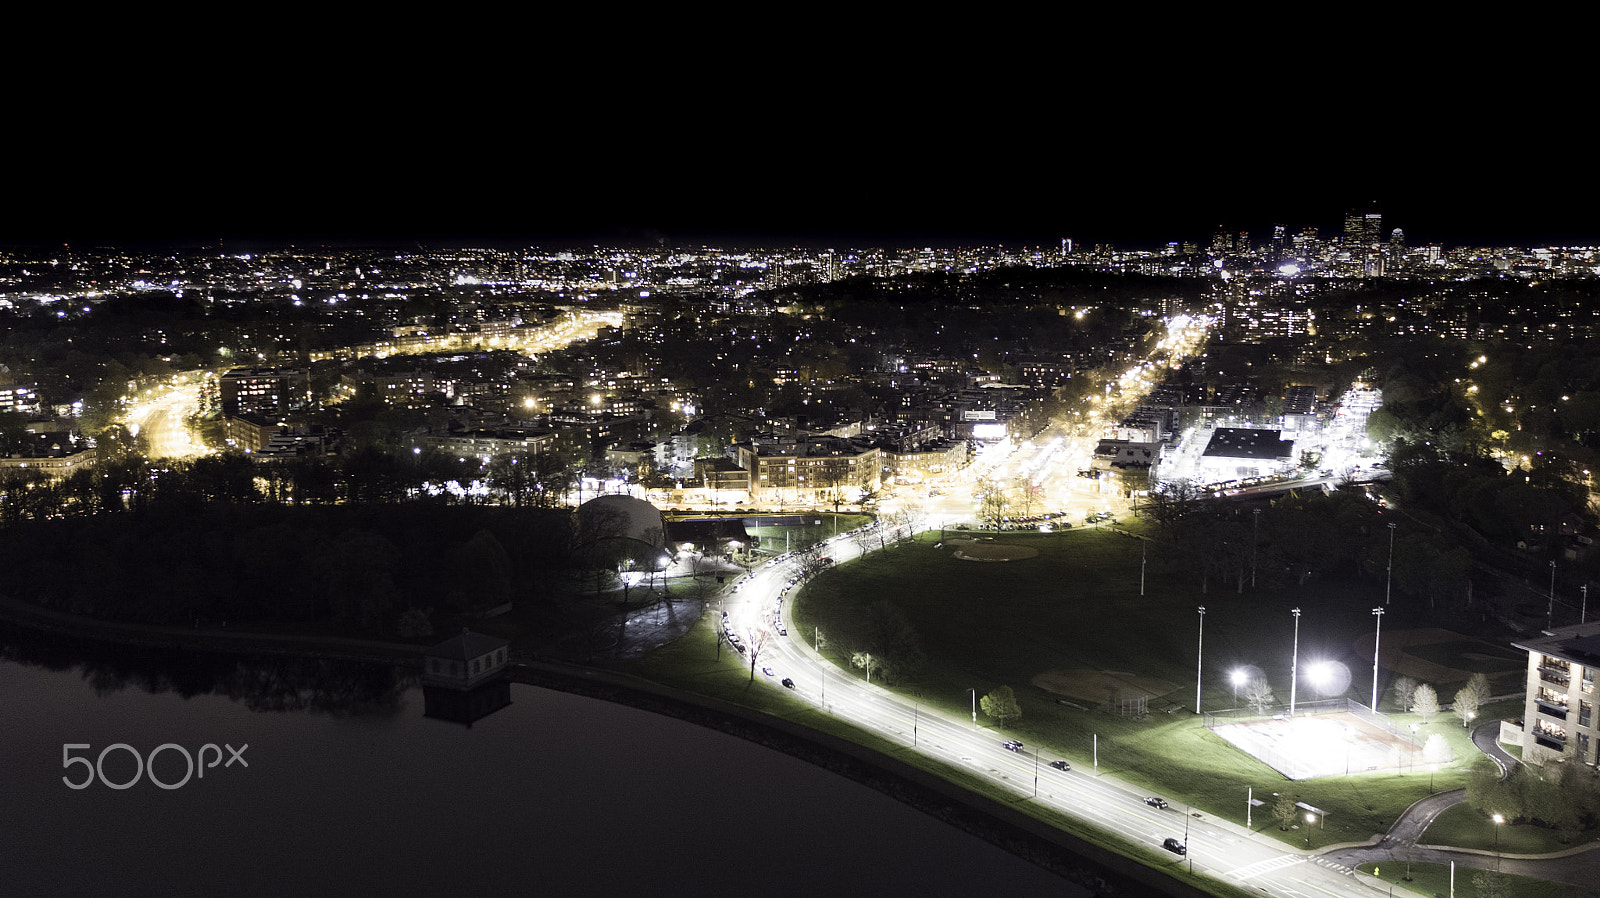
{"x": 1218, "y": 848}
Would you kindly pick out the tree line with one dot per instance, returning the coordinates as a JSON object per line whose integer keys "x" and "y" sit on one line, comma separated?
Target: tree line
{"x": 362, "y": 567}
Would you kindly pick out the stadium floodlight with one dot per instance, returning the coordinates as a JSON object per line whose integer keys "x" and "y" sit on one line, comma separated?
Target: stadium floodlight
{"x": 1321, "y": 674}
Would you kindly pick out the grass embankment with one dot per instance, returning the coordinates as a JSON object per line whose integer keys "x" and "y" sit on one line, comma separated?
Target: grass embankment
{"x": 1077, "y": 607}
{"x": 1434, "y": 879}
{"x": 1463, "y": 827}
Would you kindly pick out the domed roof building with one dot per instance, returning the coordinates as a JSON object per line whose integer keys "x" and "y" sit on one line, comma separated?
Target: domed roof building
{"x": 624, "y": 532}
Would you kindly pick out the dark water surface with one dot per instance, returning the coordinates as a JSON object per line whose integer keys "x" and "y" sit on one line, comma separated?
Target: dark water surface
{"x": 555, "y": 795}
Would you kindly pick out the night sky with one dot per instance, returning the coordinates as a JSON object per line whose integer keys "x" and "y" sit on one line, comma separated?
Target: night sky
{"x": 568, "y": 140}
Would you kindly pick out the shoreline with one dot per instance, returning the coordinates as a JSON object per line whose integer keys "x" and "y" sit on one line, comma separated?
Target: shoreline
{"x": 1089, "y": 864}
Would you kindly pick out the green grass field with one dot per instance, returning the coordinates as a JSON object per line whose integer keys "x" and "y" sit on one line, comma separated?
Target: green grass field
{"x": 1434, "y": 879}
{"x": 1077, "y": 606}
{"x": 1463, "y": 827}
{"x": 776, "y": 540}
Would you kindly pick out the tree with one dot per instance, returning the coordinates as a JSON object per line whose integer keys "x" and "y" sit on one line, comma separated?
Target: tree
{"x": 811, "y": 564}
{"x": 1258, "y": 695}
{"x": 992, "y": 501}
{"x": 866, "y": 662}
{"x": 1467, "y": 701}
{"x": 414, "y": 623}
{"x": 1483, "y": 782}
{"x": 1479, "y": 683}
{"x": 1405, "y": 691}
{"x": 893, "y": 642}
{"x": 1001, "y": 704}
{"x": 1436, "y": 750}
{"x": 758, "y": 641}
{"x": 1285, "y": 810}
{"x": 1491, "y": 884}
{"x": 1426, "y": 702}
{"x": 1170, "y": 502}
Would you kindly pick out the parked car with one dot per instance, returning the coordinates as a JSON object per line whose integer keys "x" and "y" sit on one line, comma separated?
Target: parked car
{"x": 1158, "y": 803}
{"x": 1174, "y": 846}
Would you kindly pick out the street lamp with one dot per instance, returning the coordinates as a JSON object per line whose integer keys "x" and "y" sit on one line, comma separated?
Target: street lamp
{"x": 1377, "y": 613}
{"x": 1497, "y": 821}
{"x": 1294, "y": 663}
{"x": 1198, "y": 653}
{"x": 974, "y": 692}
{"x": 1389, "y": 577}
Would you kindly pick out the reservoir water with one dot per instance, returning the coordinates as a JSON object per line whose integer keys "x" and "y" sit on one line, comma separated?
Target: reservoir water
{"x": 350, "y": 790}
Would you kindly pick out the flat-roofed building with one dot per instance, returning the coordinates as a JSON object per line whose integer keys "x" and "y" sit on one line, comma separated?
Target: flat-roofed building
{"x": 19, "y": 398}
{"x": 1558, "y": 710}
{"x": 264, "y": 391}
{"x": 1235, "y": 452}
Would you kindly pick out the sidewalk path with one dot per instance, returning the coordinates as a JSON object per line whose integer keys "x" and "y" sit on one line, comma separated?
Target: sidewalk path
{"x": 1578, "y": 866}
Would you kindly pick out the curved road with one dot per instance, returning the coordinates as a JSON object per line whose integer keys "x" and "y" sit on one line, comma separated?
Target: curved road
{"x": 1218, "y": 848}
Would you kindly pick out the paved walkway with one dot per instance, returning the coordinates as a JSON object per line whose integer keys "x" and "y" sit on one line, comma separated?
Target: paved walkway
{"x": 1578, "y": 866}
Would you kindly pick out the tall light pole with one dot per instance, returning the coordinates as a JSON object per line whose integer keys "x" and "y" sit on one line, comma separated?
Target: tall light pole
{"x": 1376, "y": 634}
{"x": 1255, "y": 528}
{"x": 1497, "y": 821}
{"x": 1550, "y": 609}
{"x": 1388, "y": 578}
{"x": 1144, "y": 549}
{"x": 1198, "y": 654}
{"x": 1294, "y": 662}
{"x": 974, "y": 692}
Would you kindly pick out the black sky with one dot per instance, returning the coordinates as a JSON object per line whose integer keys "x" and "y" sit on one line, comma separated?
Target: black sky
{"x": 848, "y": 141}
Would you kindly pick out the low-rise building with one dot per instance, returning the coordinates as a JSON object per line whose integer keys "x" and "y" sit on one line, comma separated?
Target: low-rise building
{"x": 465, "y": 661}
{"x": 1234, "y": 453}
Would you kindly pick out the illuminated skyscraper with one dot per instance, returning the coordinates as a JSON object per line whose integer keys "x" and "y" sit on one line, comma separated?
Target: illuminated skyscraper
{"x": 1362, "y": 233}
{"x": 1221, "y": 242}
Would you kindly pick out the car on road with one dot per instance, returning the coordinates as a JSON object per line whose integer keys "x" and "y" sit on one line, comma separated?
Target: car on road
{"x": 767, "y": 671}
{"x": 788, "y": 683}
{"x": 1061, "y": 765}
{"x": 1174, "y": 846}
{"x": 1157, "y": 803}
{"x": 1013, "y": 745}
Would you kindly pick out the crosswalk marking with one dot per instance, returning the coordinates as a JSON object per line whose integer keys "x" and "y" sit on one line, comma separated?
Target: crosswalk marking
{"x": 1266, "y": 866}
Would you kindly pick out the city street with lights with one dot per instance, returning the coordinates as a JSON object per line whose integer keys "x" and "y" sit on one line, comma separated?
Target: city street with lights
{"x": 162, "y": 420}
